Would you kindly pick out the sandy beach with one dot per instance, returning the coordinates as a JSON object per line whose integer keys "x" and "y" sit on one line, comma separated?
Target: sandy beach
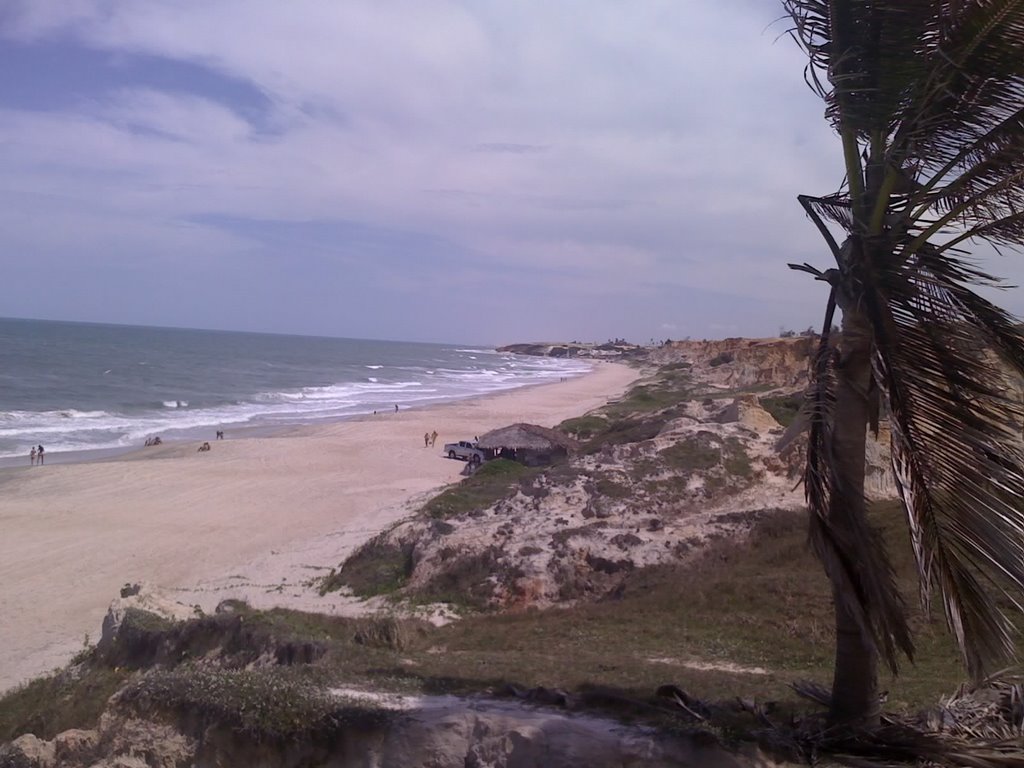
{"x": 255, "y": 518}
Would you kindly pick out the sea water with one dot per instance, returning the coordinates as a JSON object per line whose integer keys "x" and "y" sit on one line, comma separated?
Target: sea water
{"x": 85, "y": 386}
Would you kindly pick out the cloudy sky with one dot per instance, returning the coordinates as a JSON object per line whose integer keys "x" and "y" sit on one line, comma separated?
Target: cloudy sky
{"x": 480, "y": 171}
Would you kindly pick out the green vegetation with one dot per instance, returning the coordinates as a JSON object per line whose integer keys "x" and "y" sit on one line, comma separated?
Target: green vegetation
{"x": 783, "y": 408}
{"x": 48, "y": 705}
{"x": 735, "y": 459}
{"x": 696, "y": 453}
{"x": 493, "y": 481}
{"x": 648, "y": 398}
{"x": 605, "y": 485}
{"x": 268, "y": 704}
{"x": 468, "y": 585}
{"x": 584, "y": 427}
{"x": 378, "y": 567}
{"x": 622, "y": 431}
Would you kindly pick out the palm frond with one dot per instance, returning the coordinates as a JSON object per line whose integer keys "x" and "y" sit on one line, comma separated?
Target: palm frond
{"x": 932, "y": 91}
{"x": 957, "y": 452}
{"x": 974, "y": 79}
{"x": 834, "y": 208}
{"x": 869, "y": 53}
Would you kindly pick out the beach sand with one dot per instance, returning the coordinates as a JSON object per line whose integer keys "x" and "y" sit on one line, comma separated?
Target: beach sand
{"x": 255, "y": 518}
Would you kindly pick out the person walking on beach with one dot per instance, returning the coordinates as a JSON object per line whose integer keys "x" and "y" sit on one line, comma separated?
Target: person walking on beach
{"x": 426, "y": 439}
{"x": 32, "y": 456}
{"x": 433, "y": 438}
{"x": 39, "y": 453}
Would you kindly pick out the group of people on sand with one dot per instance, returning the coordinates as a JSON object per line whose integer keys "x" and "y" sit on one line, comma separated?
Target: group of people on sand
{"x": 37, "y": 453}
{"x": 149, "y": 441}
{"x": 429, "y": 438}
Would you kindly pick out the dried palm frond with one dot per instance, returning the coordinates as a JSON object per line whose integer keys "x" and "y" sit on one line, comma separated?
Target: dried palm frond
{"x": 935, "y": 361}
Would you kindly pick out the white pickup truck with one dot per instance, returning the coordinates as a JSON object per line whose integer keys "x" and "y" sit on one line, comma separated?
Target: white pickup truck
{"x": 465, "y": 450}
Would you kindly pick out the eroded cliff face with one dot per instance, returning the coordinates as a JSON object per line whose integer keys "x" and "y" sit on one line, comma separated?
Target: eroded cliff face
{"x": 743, "y": 363}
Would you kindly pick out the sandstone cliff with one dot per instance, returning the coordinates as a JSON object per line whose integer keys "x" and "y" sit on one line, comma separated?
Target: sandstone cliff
{"x": 744, "y": 363}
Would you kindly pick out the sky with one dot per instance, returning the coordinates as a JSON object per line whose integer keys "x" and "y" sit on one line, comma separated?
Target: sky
{"x": 480, "y": 171}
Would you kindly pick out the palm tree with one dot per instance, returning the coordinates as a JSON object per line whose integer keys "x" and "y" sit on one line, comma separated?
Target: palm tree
{"x": 927, "y": 97}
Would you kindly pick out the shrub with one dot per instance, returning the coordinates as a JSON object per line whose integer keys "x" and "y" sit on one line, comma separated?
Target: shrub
{"x": 695, "y": 453}
{"x": 494, "y": 481}
{"x": 379, "y": 567}
{"x": 269, "y": 704}
{"x": 584, "y": 427}
{"x": 783, "y": 408}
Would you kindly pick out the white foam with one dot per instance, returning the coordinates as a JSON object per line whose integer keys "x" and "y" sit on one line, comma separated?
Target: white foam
{"x": 75, "y": 430}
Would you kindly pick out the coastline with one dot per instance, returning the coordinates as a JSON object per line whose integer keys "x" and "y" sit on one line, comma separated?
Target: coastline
{"x": 256, "y": 518}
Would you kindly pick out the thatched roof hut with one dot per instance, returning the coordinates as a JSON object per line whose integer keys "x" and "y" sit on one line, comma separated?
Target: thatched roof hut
{"x": 527, "y": 443}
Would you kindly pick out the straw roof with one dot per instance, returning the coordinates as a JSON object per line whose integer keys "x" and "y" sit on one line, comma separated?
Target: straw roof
{"x": 526, "y": 437}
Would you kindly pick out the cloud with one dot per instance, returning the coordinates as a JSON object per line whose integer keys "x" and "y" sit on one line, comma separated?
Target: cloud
{"x": 599, "y": 166}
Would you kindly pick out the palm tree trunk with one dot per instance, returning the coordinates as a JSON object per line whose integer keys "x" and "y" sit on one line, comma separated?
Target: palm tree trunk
{"x": 855, "y": 681}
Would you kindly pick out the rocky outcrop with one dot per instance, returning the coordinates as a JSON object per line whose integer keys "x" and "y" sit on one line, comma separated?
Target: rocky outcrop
{"x": 120, "y": 741}
{"x": 739, "y": 363}
{"x": 140, "y": 597}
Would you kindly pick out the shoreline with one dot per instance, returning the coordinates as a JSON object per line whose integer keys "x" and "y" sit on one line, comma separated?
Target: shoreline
{"x": 244, "y": 431}
{"x": 256, "y": 518}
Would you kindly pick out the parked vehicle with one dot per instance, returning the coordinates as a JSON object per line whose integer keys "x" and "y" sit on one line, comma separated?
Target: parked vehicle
{"x": 465, "y": 450}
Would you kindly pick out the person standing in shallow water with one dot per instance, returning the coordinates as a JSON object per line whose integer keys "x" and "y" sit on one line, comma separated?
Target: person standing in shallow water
{"x": 32, "y": 456}
{"x": 396, "y": 407}
{"x": 39, "y": 453}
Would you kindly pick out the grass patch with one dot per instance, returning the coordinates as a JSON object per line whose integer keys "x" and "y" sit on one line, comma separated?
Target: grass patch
{"x": 468, "y": 582}
{"x": 783, "y": 408}
{"x": 647, "y": 398}
{"x": 693, "y": 454}
{"x": 624, "y": 431}
{"x": 494, "y": 481}
{"x": 48, "y": 705}
{"x": 682, "y": 365}
{"x": 736, "y": 460}
{"x": 606, "y": 486}
{"x": 262, "y": 704}
{"x": 378, "y": 567}
{"x": 584, "y": 427}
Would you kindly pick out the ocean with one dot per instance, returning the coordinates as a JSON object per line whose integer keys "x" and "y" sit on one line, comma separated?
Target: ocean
{"x": 86, "y": 386}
